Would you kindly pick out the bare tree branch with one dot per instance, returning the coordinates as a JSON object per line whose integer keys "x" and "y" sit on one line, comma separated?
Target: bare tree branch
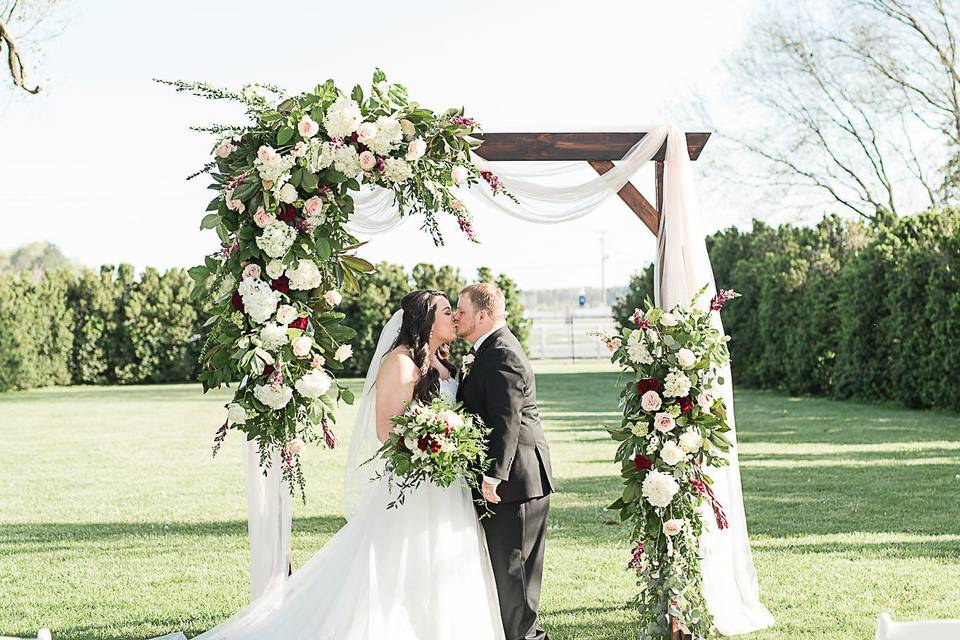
{"x": 14, "y": 62}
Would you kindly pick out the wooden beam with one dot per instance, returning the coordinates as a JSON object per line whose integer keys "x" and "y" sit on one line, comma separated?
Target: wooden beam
{"x": 634, "y": 199}
{"x": 658, "y": 181}
{"x": 573, "y": 146}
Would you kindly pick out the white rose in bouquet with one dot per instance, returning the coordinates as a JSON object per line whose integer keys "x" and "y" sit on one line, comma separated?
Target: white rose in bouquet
{"x": 288, "y": 193}
{"x": 659, "y": 488}
{"x": 342, "y": 117}
{"x": 343, "y": 353}
{"x": 277, "y": 239}
{"x": 673, "y": 527}
{"x": 305, "y": 276}
{"x": 686, "y": 358}
{"x": 275, "y": 397}
{"x": 286, "y": 314}
{"x": 313, "y": 384}
{"x": 671, "y": 453}
{"x": 236, "y": 414}
{"x": 301, "y": 346}
{"x": 669, "y": 320}
{"x": 459, "y": 175}
{"x": 366, "y": 132}
{"x": 296, "y": 446}
{"x": 275, "y": 269}
{"x": 691, "y": 441}
{"x": 416, "y": 149}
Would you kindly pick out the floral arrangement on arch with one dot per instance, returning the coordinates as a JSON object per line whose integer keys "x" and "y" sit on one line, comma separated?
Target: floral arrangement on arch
{"x": 284, "y": 186}
{"x": 672, "y": 429}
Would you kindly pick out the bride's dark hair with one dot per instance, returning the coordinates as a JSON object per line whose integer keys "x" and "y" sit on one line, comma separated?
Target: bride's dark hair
{"x": 419, "y": 310}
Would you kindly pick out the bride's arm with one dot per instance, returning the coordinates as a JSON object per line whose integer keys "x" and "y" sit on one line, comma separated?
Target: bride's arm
{"x": 396, "y": 379}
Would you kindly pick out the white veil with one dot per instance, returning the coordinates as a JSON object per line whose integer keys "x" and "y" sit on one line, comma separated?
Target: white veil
{"x": 363, "y": 440}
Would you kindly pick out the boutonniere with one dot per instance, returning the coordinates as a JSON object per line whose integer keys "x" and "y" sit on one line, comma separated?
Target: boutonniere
{"x": 467, "y": 363}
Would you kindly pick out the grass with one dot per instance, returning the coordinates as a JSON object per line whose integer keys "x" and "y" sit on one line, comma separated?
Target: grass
{"x": 116, "y": 523}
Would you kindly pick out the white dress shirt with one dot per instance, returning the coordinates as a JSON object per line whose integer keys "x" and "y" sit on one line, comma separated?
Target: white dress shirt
{"x": 476, "y": 345}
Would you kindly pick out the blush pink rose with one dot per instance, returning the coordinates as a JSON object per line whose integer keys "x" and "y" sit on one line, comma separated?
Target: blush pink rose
{"x": 225, "y": 149}
{"x": 367, "y": 161}
{"x": 296, "y": 446}
{"x": 263, "y": 218}
{"x": 318, "y": 361}
{"x": 650, "y": 401}
{"x": 367, "y": 132}
{"x": 459, "y": 174}
{"x": 663, "y": 422}
{"x": 672, "y": 527}
{"x": 416, "y": 149}
{"x": 313, "y": 206}
{"x": 301, "y": 346}
{"x": 286, "y": 314}
{"x": 333, "y": 297}
{"x": 266, "y": 153}
{"x": 251, "y": 271}
{"x": 308, "y": 127}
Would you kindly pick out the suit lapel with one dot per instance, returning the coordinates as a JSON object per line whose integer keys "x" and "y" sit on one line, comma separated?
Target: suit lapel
{"x": 484, "y": 347}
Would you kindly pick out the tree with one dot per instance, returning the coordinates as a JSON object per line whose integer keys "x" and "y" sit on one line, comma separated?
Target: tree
{"x": 862, "y": 107}
{"x": 31, "y": 19}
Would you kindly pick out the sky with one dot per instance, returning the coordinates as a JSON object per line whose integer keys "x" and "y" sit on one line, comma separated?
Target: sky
{"x": 96, "y": 162}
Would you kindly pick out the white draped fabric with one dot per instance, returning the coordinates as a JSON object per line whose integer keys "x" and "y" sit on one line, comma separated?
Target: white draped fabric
{"x": 269, "y": 522}
{"x": 681, "y": 268}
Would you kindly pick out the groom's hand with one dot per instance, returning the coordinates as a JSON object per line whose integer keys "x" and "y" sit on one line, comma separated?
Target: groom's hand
{"x": 489, "y": 491}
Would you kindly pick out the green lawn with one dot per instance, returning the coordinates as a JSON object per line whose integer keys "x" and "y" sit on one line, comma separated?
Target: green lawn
{"x": 116, "y": 523}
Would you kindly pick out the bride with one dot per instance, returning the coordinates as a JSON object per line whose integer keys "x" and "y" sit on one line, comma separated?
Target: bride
{"x": 417, "y": 572}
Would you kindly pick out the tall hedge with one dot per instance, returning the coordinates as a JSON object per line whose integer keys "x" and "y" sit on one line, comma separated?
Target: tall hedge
{"x": 115, "y": 327}
{"x": 842, "y": 309}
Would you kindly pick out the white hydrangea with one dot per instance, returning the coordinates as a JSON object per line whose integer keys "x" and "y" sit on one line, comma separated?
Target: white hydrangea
{"x": 276, "y": 239}
{"x": 274, "y": 168}
{"x": 676, "y": 384}
{"x": 259, "y": 300}
{"x": 659, "y": 488}
{"x": 389, "y": 135}
{"x": 637, "y": 348}
{"x": 691, "y": 441}
{"x": 273, "y": 335}
{"x": 304, "y": 276}
{"x": 313, "y": 384}
{"x": 236, "y": 414}
{"x": 671, "y": 453}
{"x": 342, "y": 117}
{"x": 275, "y": 397}
{"x": 319, "y": 155}
{"x": 346, "y": 161}
{"x": 397, "y": 170}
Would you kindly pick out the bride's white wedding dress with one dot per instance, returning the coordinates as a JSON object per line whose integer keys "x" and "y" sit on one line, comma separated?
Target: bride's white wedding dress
{"x": 417, "y": 572}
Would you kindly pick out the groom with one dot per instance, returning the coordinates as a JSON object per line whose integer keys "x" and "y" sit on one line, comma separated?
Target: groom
{"x": 497, "y": 384}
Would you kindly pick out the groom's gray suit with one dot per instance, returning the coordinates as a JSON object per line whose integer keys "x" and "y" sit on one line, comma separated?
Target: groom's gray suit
{"x": 500, "y": 388}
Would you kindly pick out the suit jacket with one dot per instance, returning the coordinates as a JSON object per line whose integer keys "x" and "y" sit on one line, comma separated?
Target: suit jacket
{"x": 500, "y": 388}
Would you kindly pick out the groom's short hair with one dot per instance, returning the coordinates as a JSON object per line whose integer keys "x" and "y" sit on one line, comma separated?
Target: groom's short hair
{"x": 487, "y": 296}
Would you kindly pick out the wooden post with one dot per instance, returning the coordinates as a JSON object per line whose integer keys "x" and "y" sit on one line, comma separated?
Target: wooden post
{"x": 658, "y": 179}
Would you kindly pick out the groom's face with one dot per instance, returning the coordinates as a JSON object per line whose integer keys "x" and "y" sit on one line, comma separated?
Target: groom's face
{"x": 465, "y": 318}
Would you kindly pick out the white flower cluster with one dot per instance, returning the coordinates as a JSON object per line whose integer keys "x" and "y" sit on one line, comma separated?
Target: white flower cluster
{"x": 388, "y": 137}
{"x": 637, "y": 349}
{"x": 274, "y": 396}
{"x": 273, "y": 335}
{"x": 276, "y": 239}
{"x": 676, "y": 384}
{"x": 271, "y": 165}
{"x": 259, "y": 300}
{"x": 314, "y": 384}
{"x": 671, "y": 453}
{"x": 397, "y": 170}
{"x": 305, "y": 276}
{"x": 659, "y": 488}
{"x": 691, "y": 441}
{"x": 346, "y": 161}
{"x": 236, "y": 414}
{"x": 342, "y": 117}
{"x": 319, "y": 155}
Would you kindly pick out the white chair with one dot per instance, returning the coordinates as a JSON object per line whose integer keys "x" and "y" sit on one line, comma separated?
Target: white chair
{"x": 887, "y": 629}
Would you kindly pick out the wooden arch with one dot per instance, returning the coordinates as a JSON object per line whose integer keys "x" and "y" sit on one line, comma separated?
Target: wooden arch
{"x": 600, "y": 150}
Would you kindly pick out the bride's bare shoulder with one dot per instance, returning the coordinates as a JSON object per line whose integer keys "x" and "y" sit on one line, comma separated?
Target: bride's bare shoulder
{"x": 398, "y": 367}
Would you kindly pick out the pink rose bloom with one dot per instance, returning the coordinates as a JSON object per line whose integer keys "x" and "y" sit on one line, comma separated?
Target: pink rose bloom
{"x": 308, "y": 127}
{"x": 318, "y": 361}
{"x": 286, "y": 314}
{"x": 252, "y": 270}
{"x": 650, "y": 401}
{"x": 299, "y": 150}
{"x": 313, "y": 206}
{"x": 333, "y": 297}
{"x": 366, "y": 132}
{"x": 225, "y": 149}
{"x": 301, "y": 346}
{"x": 266, "y": 153}
{"x": 296, "y": 446}
{"x": 704, "y": 400}
{"x": 416, "y": 149}
{"x": 263, "y": 218}
{"x": 232, "y": 203}
{"x": 367, "y": 161}
{"x": 673, "y": 527}
{"x": 613, "y": 345}
{"x": 663, "y": 422}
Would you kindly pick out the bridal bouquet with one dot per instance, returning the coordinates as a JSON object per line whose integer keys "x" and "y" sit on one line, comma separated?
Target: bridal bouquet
{"x": 435, "y": 442}
{"x": 284, "y": 194}
{"x": 672, "y": 430}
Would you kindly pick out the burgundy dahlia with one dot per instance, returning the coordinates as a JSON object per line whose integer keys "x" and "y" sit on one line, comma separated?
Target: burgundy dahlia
{"x": 642, "y": 462}
{"x": 686, "y": 404}
{"x": 299, "y": 323}
{"x": 648, "y": 384}
{"x": 287, "y": 213}
{"x": 281, "y": 284}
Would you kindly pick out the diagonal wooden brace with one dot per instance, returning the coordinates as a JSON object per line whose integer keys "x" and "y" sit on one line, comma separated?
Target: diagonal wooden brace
{"x": 640, "y": 206}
